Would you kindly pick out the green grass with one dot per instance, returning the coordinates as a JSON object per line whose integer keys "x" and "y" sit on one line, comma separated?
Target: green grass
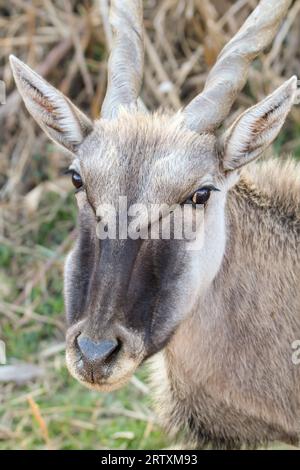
{"x": 75, "y": 418}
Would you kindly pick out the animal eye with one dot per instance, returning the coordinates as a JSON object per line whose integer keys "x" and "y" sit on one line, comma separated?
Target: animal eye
{"x": 76, "y": 180}
{"x": 202, "y": 195}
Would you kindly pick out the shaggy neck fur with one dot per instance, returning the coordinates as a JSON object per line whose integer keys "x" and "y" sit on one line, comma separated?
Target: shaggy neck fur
{"x": 228, "y": 376}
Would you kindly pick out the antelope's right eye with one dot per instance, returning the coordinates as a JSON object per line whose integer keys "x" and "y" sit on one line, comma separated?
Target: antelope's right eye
{"x": 76, "y": 180}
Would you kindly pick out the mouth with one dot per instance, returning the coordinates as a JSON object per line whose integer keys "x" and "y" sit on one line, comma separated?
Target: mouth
{"x": 115, "y": 376}
{"x": 86, "y": 363}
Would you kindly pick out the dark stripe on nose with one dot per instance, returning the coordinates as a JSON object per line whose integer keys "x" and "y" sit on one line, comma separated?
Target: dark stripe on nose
{"x": 113, "y": 273}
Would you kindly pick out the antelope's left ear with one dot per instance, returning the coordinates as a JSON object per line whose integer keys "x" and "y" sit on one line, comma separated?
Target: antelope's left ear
{"x": 62, "y": 121}
{"x": 257, "y": 127}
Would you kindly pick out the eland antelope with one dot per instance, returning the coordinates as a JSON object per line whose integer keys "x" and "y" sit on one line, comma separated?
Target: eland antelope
{"x": 219, "y": 313}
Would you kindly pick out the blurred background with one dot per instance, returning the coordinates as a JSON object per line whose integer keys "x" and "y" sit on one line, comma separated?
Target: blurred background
{"x": 67, "y": 41}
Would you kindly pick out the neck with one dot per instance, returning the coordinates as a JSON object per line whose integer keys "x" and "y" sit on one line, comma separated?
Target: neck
{"x": 234, "y": 329}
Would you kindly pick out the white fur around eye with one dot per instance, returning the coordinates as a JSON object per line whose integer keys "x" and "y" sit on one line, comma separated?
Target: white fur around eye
{"x": 75, "y": 165}
{"x": 81, "y": 199}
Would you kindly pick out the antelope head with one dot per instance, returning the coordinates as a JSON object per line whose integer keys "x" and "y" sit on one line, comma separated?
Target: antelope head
{"x": 125, "y": 296}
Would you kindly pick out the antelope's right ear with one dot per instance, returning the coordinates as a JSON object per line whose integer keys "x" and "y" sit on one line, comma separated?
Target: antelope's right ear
{"x": 62, "y": 121}
{"x": 255, "y": 129}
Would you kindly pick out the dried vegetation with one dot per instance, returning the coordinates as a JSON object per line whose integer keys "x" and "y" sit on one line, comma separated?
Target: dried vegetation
{"x": 67, "y": 42}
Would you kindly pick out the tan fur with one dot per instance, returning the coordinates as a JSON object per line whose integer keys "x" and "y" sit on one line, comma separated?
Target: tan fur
{"x": 232, "y": 381}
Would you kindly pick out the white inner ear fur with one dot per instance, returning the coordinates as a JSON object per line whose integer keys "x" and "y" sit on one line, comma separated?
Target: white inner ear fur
{"x": 256, "y": 128}
{"x": 58, "y": 117}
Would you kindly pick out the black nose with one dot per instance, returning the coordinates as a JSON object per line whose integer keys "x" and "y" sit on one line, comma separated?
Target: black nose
{"x": 96, "y": 353}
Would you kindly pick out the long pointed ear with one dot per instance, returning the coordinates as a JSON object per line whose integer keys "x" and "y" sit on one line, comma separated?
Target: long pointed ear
{"x": 256, "y": 128}
{"x": 62, "y": 121}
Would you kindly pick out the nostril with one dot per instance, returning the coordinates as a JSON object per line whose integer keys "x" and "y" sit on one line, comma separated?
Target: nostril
{"x": 95, "y": 352}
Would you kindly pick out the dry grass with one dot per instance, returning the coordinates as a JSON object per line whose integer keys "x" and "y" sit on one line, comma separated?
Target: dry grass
{"x": 67, "y": 42}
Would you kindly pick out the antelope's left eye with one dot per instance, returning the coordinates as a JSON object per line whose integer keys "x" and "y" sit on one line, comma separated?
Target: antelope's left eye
{"x": 76, "y": 180}
{"x": 202, "y": 195}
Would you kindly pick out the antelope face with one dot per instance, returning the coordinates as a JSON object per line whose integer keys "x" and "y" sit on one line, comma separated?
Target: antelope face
{"x": 125, "y": 297}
